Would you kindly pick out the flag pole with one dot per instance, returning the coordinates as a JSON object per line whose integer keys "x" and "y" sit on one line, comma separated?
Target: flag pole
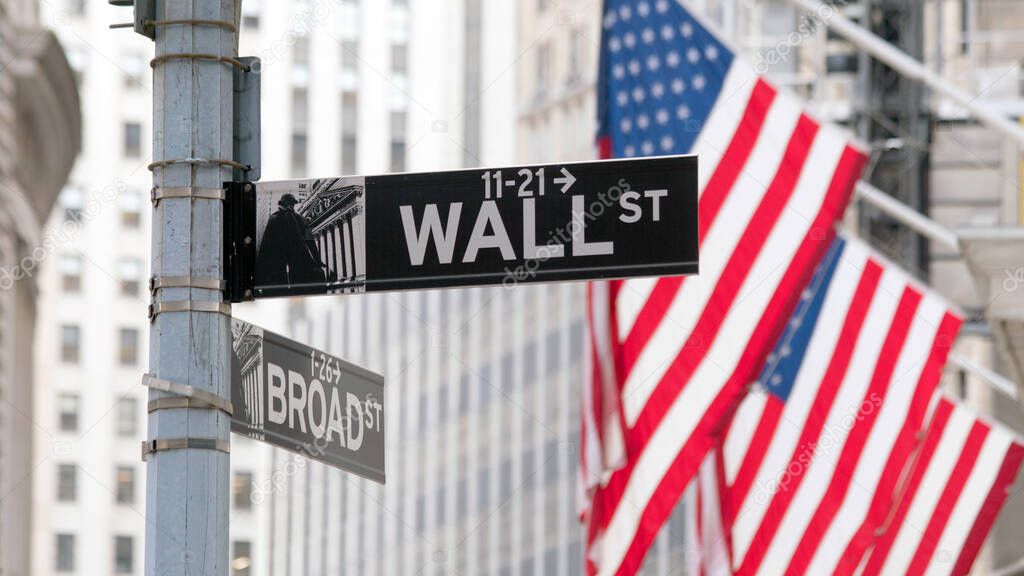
{"x": 911, "y": 68}
{"x": 908, "y": 216}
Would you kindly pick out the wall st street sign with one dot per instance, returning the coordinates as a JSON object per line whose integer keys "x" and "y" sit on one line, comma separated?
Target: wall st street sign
{"x": 301, "y": 399}
{"x": 574, "y": 221}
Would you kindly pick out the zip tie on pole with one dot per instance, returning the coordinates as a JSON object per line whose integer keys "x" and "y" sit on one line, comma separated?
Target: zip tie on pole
{"x": 162, "y": 163}
{"x": 158, "y": 282}
{"x": 157, "y": 193}
{"x": 185, "y": 396}
{"x": 164, "y": 444}
{"x": 198, "y": 56}
{"x": 158, "y": 308}
{"x": 230, "y": 26}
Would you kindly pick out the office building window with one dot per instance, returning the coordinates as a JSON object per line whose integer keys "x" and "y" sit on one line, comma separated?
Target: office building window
{"x": 130, "y": 271}
{"x": 399, "y": 59}
{"x": 349, "y": 64}
{"x": 134, "y": 67}
{"x": 961, "y": 384}
{"x": 241, "y": 557}
{"x": 67, "y": 482}
{"x": 128, "y": 351}
{"x": 251, "y": 14}
{"x": 242, "y": 490}
{"x": 349, "y": 142}
{"x": 300, "y": 54}
{"x": 543, "y": 70}
{"x": 65, "y": 553}
{"x": 399, "y": 25}
{"x": 350, "y": 19}
{"x": 124, "y": 554}
{"x": 71, "y": 202}
{"x": 131, "y": 209}
{"x": 300, "y": 120}
{"x": 69, "y": 343}
{"x": 67, "y": 411}
{"x": 298, "y": 153}
{"x": 71, "y": 273}
{"x": 125, "y": 485}
{"x": 132, "y": 139}
{"x": 126, "y": 416}
{"x": 398, "y": 120}
{"x": 575, "y": 57}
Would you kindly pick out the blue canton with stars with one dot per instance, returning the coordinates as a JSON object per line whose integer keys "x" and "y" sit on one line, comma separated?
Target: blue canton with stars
{"x": 660, "y": 75}
{"x": 784, "y": 362}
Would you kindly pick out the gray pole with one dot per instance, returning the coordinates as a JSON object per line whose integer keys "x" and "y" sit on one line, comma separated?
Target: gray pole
{"x": 187, "y": 488}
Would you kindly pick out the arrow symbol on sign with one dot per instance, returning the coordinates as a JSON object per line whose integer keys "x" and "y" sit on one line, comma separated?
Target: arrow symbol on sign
{"x": 566, "y": 180}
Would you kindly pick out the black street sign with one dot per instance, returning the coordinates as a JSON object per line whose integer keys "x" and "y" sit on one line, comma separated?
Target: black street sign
{"x": 298, "y": 398}
{"x": 575, "y": 221}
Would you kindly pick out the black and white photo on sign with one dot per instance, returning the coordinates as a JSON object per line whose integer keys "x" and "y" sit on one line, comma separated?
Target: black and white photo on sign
{"x": 311, "y": 233}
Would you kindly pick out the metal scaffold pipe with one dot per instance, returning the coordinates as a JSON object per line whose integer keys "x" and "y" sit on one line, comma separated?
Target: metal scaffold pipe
{"x": 911, "y": 68}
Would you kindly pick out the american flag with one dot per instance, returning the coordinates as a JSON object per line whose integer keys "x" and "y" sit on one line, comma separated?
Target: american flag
{"x": 962, "y": 475}
{"x": 822, "y": 460}
{"x": 812, "y": 457}
{"x": 674, "y": 356}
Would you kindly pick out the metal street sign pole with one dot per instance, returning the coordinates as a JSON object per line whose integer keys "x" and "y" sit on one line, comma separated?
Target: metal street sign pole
{"x": 187, "y": 472}
{"x": 508, "y": 225}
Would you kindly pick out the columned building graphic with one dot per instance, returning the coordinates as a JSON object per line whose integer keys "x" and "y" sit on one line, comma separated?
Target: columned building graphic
{"x": 335, "y": 214}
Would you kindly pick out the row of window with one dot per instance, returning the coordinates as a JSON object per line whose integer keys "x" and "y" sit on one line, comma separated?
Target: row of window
{"x": 124, "y": 491}
{"x": 129, "y": 272}
{"x": 129, "y": 203}
{"x": 544, "y": 61}
{"x": 71, "y": 345}
{"x": 67, "y": 484}
{"x": 349, "y": 99}
{"x": 124, "y": 555}
{"x": 69, "y": 407}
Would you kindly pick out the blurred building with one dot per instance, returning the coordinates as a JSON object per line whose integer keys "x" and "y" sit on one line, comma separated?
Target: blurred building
{"x": 39, "y": 137}
{"x": 91, "y": 341}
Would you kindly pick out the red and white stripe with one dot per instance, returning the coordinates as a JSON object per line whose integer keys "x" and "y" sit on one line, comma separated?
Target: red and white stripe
{"x": 810, "y": 479}
{"x": 773, "y": 183}
{"x": 962, "y": 473}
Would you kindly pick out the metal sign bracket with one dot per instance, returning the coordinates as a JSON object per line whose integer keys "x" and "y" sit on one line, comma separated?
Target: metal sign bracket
{"x": 158, "y": 308}
{"x": 164, "y": 444}
{"x": 158, "y": 282}
{"x": 239, "y": 240}
{"x": 185, "y": 396}
{"x": 157, "y": 194}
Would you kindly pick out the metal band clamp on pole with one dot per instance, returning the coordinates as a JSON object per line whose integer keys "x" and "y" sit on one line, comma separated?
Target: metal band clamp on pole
{"x": 198, "y": 56}
{"x": 193, "y": 161}
{"x": 186, "y": 396}
{"x": 159, "y": 282}
{"x": 158, "y": 308}
{"x": 164, "y": 444}
{"x": 157, "y": 194}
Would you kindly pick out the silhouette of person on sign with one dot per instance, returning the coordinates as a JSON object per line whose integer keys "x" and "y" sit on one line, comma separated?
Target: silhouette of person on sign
{"x": 288, "y": 254}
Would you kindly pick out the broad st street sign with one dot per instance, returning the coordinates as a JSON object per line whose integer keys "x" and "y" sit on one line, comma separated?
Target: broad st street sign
{"x": 298, "y": 398}
{"x": 575, "y": 221}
